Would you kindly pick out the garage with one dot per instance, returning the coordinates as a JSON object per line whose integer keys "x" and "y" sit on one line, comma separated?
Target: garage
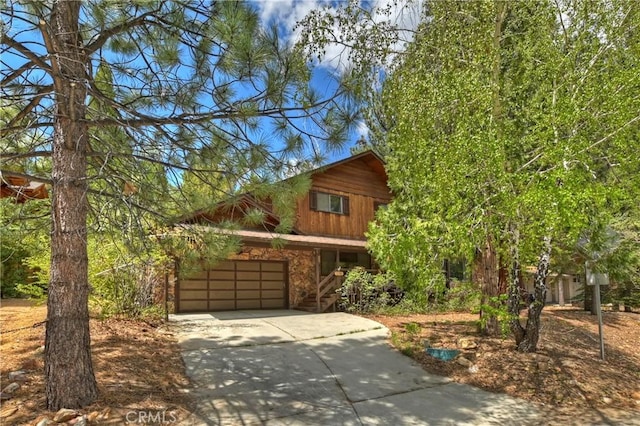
{"x": 234, "y": 285}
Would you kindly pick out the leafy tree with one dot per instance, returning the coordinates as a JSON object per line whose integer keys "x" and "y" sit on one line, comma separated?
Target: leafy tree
{"x": 20, "y": 242}
{"x": 125, "y": 97}
{"x": 512, "y": 124}
{"x": 361, "y": 40}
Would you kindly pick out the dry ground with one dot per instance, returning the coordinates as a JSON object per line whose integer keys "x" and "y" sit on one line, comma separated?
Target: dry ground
{"x": 565, "y": 376}
{"x": 137, "y": 367}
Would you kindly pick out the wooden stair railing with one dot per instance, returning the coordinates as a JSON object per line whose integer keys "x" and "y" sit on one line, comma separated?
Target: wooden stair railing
{"x": 325, "y": 296}
{"x": 329, "y": 283}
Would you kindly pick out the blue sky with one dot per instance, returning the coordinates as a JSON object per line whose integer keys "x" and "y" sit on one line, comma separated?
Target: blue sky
{"x": 285, "y": 14}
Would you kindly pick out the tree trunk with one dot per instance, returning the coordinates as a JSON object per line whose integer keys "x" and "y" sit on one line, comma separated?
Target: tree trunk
{"x": 69, "y": 377}
{"x": 487, "y": 275}
{"x": 489, "y": 268}
{"x": 515, "y": 290}
{"x": 528, "y": 341}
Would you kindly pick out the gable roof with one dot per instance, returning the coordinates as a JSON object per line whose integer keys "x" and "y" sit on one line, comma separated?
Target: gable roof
{"x": 373, "y": 160}
{"x": 246, "y": 201}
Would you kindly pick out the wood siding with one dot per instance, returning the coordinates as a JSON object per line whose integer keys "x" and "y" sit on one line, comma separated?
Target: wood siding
{"x": 355, "y": 177}
{"x": 361, "y": 179}
{"x": 365, "y": 189}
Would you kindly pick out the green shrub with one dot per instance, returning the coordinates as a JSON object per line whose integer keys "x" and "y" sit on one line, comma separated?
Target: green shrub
{"x": 12, "y": 270}
{"x": 413, "y": 329}
{"x": 126, "y": 290}
{"x": 463, "y": 296}
{"x": 364, "y": 292}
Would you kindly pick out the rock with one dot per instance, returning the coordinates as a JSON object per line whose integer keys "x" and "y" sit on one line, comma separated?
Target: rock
{"x": 464, "y": 361}
{"x": 44, "y": 422}
{"x": 92, "y": 416}
{"x": 543, "y": 366}
{"x": 473, "y": 369}
{"x": 80, "y": 421}
{"x": 20, "y": 375}
{"x": 7, "y": 411}
{"x": 39, "y": 351}
{"x": 568, "y": 363}
{"x": 467, "y": 343}
{"x": 4, "y": 396}
{"x": 64, "y": 415}
{"x": 11, "y": 387}
{"x": 607, "y": 400}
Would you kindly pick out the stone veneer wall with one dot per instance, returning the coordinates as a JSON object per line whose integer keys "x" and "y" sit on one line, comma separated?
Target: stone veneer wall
{"x": 302, "y": 270}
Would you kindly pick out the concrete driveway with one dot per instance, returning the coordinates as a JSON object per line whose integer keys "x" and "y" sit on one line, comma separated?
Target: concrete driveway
{"x": 294, "y": 368}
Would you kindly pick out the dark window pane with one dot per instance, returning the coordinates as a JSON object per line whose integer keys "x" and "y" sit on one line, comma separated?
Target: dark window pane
{"x": 336, "y": 204}
{"x": 327, "y": 262}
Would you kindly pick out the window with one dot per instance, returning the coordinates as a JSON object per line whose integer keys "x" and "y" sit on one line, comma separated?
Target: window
{"x": 379, "y": 205}
{"x": 454, "y": 270}
{"x": 331, "y": 203}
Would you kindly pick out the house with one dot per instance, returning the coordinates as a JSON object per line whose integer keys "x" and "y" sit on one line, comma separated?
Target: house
{"x": 21, "y": 188}
{"x": 328, "y": 236}
{"x": 562, "y": 289}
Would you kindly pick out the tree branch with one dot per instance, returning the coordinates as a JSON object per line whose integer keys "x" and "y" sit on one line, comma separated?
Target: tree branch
{"x": 108, "y": 33}
{"x": 37, "y": 60}
{"x": 30, "y": 106}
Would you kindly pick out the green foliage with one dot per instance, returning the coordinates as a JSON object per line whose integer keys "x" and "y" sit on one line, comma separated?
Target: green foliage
{"x": 496, "y": 307}
{"x": 461, "y": 297}
{"x": 31, "y": 291}
{"x": 24, "y": 248}
{"x": 123, "y": 282}
{"x": 178, "y": 97}
{"x": 364, "y": 292}
{"x": 623, "y": 263}
{"x": 406, "y": 346}
{"x": 411, "y": 303}
{"x": 413, "y": 329}
{"x": 122, "y": 292}
{"x": 12, "y": 270}
{"x": 496, "y": 135}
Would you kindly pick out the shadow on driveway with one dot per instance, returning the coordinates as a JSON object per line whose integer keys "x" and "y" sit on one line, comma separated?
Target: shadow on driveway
{"x": 322, "y": 369}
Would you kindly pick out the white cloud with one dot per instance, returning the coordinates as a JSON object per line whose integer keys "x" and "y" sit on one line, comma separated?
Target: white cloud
{"x": 362, "y": 129}
{"x": 403, "y": 14}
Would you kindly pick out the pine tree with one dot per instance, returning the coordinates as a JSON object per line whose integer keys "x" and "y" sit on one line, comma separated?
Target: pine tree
{"x": 125, "y": 97}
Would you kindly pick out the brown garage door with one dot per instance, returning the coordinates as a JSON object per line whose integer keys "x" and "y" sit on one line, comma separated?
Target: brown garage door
{"x": 235, "y": 284}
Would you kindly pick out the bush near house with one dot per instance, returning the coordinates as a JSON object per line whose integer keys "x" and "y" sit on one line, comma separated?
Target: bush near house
{"x": 364, "y": 292}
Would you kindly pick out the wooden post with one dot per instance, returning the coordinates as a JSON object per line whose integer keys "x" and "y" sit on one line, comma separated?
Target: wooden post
{"x": 318, "y": 265}
{"x": 166, "y": 295}
{"x": 318, "y": 258}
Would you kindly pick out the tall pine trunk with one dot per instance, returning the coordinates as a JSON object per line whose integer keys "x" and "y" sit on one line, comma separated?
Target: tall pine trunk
{"x": 69, "y": 377}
